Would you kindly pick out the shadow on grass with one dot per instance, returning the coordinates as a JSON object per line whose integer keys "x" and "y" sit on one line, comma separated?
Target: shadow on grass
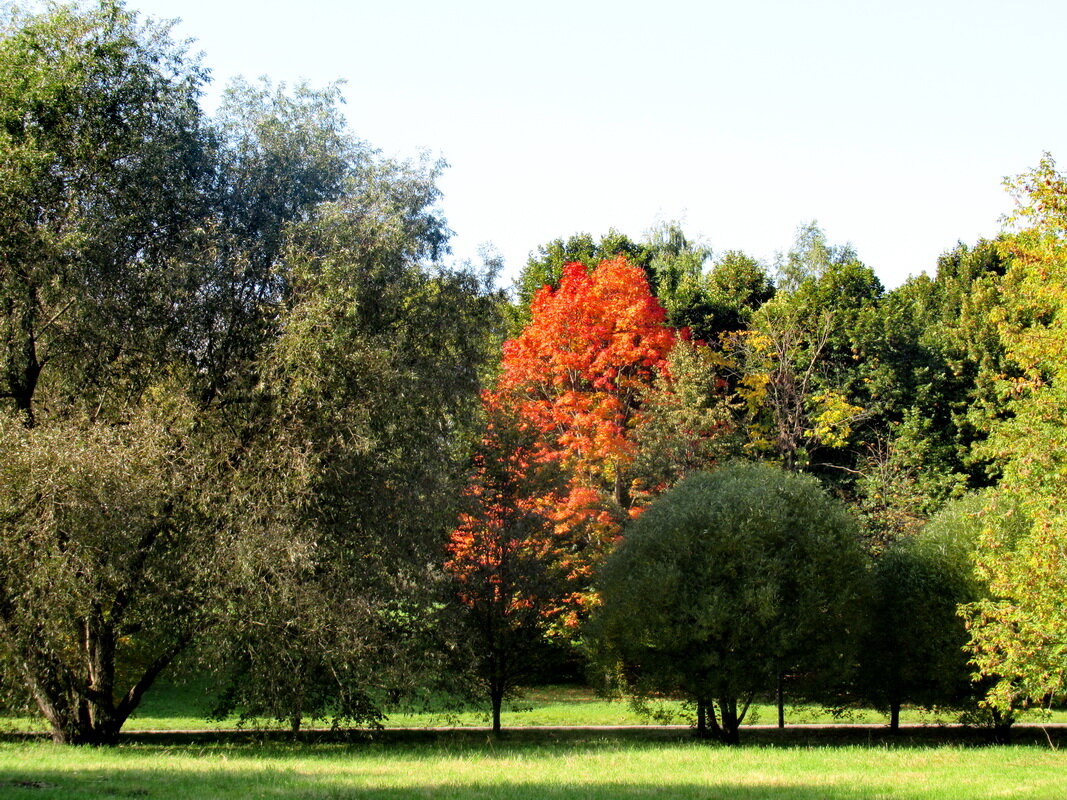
{"x": 43, "y": 784}
{"x": 588, "y": 739}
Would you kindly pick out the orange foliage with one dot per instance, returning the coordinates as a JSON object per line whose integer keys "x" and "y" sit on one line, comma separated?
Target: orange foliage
{"x": 577, "y": 370}
{"x": 568, "y": 395}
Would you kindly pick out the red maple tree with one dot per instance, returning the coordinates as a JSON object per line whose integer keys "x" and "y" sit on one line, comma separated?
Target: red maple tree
{"x": 577, "y": 371}
{"x": 504, "y": 555}
{"x": 554, "y": 453}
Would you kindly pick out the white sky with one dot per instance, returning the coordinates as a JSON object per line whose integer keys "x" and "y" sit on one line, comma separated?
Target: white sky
{"x": 891, "y": 123}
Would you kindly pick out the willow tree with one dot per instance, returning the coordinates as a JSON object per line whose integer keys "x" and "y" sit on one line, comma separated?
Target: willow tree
{"x": 235, "y": 383}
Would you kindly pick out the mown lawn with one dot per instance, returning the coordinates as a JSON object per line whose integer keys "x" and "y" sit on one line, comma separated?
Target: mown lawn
{"x": 607, "y": 769}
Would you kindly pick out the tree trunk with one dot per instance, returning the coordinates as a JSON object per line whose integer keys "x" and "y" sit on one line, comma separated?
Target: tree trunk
{"x": 730, "y": 733}
{"x": 1002, "y": 726}
{"x": 702, "y": 719}
{"x": 496, "y": 697}
{"x": 894, "y": 716}
{"x": 24, "y": 373}
{"x": 81, "y": 713}
{"x": 622, "y": 491}
{"x": 781, "y": 700}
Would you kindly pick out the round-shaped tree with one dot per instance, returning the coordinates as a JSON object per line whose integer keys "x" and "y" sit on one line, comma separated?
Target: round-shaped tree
{"x": 727, "y": 581}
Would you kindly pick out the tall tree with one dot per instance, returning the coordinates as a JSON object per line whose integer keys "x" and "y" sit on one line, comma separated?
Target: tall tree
{"x": 798, "y": 357}
{"x": 355, "y": 454}
{"x": 289, "y": 378}
{"x": 102, "y": 170}
{"x": 1018, "y": 634}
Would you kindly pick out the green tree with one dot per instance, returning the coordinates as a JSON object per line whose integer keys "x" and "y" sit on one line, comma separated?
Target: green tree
{"x": 102, "y": 177}
{"x": 915, "y": 647}
{"x": 688, "y": 419}
{"x": 725, "y": 582}
{"x": 355, "y": 456}
{"x": 108, "y": 551}
{"x": 735, "y": 287}
{"x": 251, "y": 393}
{"x": 801, "y": 379}
{"x": 810, "y": 257}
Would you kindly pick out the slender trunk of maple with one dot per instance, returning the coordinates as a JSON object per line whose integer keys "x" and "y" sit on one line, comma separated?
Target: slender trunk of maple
{"x": 781, "y": 699}
{"x": 622, "y": 490}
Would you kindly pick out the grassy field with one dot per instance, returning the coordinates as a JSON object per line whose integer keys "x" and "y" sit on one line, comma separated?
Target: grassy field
{"x": 837, "y": 764}
{"x": 592, "y": 768}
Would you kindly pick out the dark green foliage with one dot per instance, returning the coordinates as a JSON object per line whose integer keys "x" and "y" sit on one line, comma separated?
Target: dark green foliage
{"x": 735, "y": 287}
{"x": 355, "y": 457}
{"x": 930, "y": 357}
{"x": 727, "y": 581}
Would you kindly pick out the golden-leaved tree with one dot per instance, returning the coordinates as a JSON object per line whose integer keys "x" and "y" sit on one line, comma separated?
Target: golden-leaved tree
{"x": 1018, "y": 635}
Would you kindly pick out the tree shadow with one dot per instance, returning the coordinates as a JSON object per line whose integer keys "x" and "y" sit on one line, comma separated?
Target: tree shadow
{"x": 589, "y": 739}
{"x": 47, "y": 784}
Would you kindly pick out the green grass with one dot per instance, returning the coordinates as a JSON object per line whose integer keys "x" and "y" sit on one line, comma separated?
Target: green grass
{"x": 579, "y": 769}
{"x": 170, "y": 707}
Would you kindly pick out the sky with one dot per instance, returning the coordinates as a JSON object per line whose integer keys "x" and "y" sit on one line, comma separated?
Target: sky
{"x": 893, "y": 125}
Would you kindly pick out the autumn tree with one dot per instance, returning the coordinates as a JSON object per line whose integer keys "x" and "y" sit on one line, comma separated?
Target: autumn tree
{"x": 506, "y": 558}
{"x": 791, "y": 408}
{"x": 1018, "y": 634}
{"x": 578, "y": 370}
{"x": 673, "y": 263}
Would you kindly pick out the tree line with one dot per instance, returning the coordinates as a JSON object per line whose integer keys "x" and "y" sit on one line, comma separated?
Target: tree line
{"x": 255, "y": 423}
